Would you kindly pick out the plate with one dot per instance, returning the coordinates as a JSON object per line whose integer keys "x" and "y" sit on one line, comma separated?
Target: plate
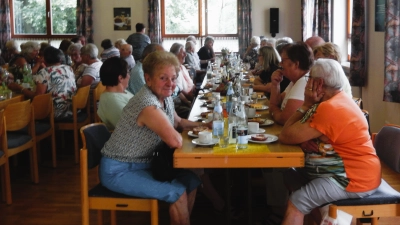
{"x": 264, "y": 107}
{"x": 270, "y": 138}
{"x": 255, "y": 116}
{"x": 267, "y": 123}
{"x": 191, "y": 134}
{"x": 197, "y": 142}
{"x": 260, "y": 131}
{"x": 262, "y": 97}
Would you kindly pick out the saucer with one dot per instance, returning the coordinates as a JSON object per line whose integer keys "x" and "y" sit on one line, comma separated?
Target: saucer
{"x": 191, "y": 134}
{"x": 267, "y": 123}
{"x": 270, "y": 138}
{"x": 260, "y": 131}
{"x": 255, "y": 116}
{"x": 197, "y": 142}
{"x": 264, "y": 107}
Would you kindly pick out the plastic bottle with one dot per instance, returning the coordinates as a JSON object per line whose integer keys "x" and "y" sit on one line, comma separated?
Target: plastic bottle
{"x": 241, "y": 130}
{"x": 209, "y": 70}
{"x": 218, "y": 120}
{"x": 229, "y": 95}
{"x": 232, "y": 121}
{"x": 251, "y": 89}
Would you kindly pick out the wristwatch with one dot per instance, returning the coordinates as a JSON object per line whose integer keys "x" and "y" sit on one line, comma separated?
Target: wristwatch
{"x": 300, "y": 110}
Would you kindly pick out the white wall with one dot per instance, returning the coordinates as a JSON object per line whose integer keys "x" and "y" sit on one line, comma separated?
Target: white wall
{"x": 289, "y": 18}
{"x": 289, "y": 25}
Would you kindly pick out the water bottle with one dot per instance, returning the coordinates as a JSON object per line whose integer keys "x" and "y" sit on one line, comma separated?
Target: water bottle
{"x": 241, "y": 130}
{"x": 209, "y": 70}
{"x": 238, "y": 88}
{"x": 232, "y": 121}
{"x": 218, "y": 120}
{"x": 229, "y": 95}
{"x": 251, "y": 89}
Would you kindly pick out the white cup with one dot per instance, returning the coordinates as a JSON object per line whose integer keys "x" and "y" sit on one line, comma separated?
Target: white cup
{"x": 251, "y": 112}
{"x": 253, "y": 127}
{"x": 205, "y": 137}
{"x": 245, "y": 98}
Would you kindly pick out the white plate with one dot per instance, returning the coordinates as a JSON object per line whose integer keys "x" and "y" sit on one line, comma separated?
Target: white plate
{"x": 267, "y": 123}
{"x": 262, "y": 97}
{"x": 191, "y": 134}
{"x": 197, "y": 142}
{"x": 270, "y": 138}
{"x": 255, "y": 116}
{"x": 260, "y": 131}
{"x": 264, "y": 107}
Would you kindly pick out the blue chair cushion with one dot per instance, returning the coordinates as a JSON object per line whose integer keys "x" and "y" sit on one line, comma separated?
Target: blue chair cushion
{"x": 41, "y": 127}
{"x": 385, "y": 194}
{"x": 387, "y": 145}
{"x": 81, "y": 117}
{"x": 17, "y": 138}
{"x": 1, "y": 153}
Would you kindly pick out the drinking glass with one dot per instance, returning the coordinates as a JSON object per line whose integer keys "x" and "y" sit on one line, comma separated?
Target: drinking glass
{"x": 254, "y": 97}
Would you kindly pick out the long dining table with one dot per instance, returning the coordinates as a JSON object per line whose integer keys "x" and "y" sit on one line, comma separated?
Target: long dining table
{"x": 273, "y": 155}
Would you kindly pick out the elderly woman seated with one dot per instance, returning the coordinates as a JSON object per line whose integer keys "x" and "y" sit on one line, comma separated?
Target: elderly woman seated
{"x": 90, "y": 75}
{"x": 30, "y": 50}
{"x": 147, "y": 120}
{"x": 56, "y": 78}
{"x": 115, "y": 76}
{"x": 343, "y": 144}
{"x": 251, "y": 54}
{"x": 206, "y": 53}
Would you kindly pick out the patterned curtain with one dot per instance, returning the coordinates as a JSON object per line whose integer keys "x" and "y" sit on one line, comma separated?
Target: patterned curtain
{"x": 84, "y": 21}
{"x": 5, "y": 31}
{"x": 358, "y": 59}
{"x": 316, "y": 19}
{"x": 154, "y": 22}
{"x": 392, "y": 52}
{"x": 244, "y": 25}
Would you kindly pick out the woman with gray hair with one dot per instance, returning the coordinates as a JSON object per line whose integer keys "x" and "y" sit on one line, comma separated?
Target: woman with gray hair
{"x": 11, "y": 50}
{"x": 206, "y": 53}
{"x": 251, "y": 54}
{"x": 30, "y": 50}
{"x": 74, "y": 51}
{"x": 347, "y": 150}
{"x": 90, "y": 75}
{"x": 192, "y": 59}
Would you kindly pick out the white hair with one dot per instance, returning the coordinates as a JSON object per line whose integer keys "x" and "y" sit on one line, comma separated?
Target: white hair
{"x": 255, "y": 40}
{"x": 330, "y": 71}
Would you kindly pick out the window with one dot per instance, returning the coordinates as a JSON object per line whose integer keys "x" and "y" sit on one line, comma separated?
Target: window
{"x": 217, "y": 18}
{"x": 349, "y": 25}
{"x": 43, "y": 18}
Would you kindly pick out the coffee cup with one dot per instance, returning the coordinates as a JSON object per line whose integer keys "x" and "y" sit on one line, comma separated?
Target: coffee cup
{"x": 253, "y": 127}
{"x": 245, "y": 98}
{"x": 251, "y": 112}
{"x": 205, "y": 137}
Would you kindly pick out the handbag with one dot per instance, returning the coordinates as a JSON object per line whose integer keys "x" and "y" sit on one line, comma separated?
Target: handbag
{"x": 162, "y": 165}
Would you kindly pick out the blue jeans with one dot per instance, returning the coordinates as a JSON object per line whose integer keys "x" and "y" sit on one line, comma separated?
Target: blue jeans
{"x": 136, "y": 179}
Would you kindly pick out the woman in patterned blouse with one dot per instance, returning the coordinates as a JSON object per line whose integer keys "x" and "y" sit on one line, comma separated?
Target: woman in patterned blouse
{"x": 56, "y": 78}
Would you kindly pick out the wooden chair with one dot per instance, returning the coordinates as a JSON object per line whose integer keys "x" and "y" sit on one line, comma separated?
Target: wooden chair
{"x": 18, "y": 116}
{"x": 5, "y": 169}
{"x": 44, "y": 122}
{"x": 96, "y": 98}
{"x": 79, "y": 119}
{"x": 385, "y": 202}
{"x": 94, "y": 136}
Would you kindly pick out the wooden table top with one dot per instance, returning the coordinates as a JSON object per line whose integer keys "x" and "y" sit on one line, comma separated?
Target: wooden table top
{"x": 279, "y": 155}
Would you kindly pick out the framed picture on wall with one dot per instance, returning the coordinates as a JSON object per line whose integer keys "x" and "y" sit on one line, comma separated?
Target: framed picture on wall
{"x": 122, "y": 18}
{"x": 380, "y": 15}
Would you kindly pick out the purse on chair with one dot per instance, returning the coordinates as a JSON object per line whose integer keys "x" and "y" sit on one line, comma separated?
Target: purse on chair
{"x": 162, "y": 165}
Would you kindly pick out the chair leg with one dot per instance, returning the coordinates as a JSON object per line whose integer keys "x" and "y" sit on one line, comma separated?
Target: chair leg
{"x": 113, "y": 217}
{"x": 154, "y": 212}
{"x": 76, "y": 147}
{"x": 5, "y": 174}
{"x": 53, "y": 150}
{"x": 34, "y": 164}
{"x": 358, "y": 221}
{"x": 99, "y": 217}
{"x": 374, "y": 221}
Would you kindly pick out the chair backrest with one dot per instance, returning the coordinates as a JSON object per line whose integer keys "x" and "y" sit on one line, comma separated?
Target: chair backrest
{"x": 94, "y": 136}
{"x": 96, "y": 97}
{"x": 18, "y": 115}
{"x": 2, "y": 128}
{"x": 5, "y": 103}
{"x": 80, "y": 99}
{"x": 387, "y": 146}
{"x": 358, "y": 101}
{"x": 43, "y": 106}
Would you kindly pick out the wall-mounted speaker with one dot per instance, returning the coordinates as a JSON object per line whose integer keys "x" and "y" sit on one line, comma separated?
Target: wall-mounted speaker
{"x": 274, "y": 21}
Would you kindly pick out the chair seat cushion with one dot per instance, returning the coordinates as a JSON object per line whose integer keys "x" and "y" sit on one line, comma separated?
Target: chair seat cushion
{"x": 1, "y": 153}
{"x": 101, "y": 191}
{"x": 41, "y": 127}
{"x": 17, "y": 138}
{"x": 81, "y": 117}
{"x": 385, "y": 194}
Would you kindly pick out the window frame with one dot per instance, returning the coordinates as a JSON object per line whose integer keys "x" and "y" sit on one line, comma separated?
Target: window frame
{"x": 48, "y": 35}
{"x": 201, "y": 28}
